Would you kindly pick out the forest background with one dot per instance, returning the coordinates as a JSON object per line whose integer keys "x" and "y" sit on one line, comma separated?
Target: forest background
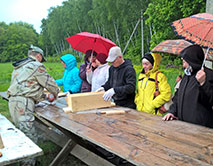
{"x": 113, "y": 19}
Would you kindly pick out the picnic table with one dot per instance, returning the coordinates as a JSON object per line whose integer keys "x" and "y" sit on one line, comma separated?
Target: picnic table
{"x": 17, "y": 146}
{"x": 137, "y": 137}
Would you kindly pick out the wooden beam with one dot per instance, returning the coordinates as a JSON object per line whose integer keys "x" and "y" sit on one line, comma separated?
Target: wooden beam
{"x": 63, "y": 153}
{"x": 85, "y": 101}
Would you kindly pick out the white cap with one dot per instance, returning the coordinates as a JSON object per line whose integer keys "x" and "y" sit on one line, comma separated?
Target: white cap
{"x": 114, "y": 52}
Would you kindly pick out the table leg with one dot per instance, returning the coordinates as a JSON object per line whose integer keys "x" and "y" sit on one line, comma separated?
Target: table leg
{"x": 63, "y": 153}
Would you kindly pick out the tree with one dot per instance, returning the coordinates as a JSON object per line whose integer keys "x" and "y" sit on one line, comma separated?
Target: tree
{"x": 17, "y": 39}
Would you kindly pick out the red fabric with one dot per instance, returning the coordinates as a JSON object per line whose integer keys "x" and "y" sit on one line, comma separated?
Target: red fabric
{"x": 197, "y": 28}
{"x": 85, "y": 41}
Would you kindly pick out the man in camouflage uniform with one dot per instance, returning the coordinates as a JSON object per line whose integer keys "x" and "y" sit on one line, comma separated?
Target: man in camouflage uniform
{"x": 29, "y": 78}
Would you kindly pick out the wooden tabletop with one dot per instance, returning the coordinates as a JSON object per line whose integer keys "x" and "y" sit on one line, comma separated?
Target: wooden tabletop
{"x": 140, "y": 138}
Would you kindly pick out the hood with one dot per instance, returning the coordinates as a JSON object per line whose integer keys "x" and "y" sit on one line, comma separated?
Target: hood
{"x": 69, "y": 60}
{"x": 157, "y": 59}
{"x": 194, "y": 56}
{"x": 127, "y": 62}
{"x": 22, "y": 62}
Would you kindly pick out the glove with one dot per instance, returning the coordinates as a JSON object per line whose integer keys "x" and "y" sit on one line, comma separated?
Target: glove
{"x": 68, "y": 92}
{"x": 50, "y": 97}
{"x": 108, "y": 94}
{"x": 100, "y": 89}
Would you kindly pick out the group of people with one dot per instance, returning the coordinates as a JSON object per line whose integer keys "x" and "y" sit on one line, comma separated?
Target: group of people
{"x": 192, "y": 101}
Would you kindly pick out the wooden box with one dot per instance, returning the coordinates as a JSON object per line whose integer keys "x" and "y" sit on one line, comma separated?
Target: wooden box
{"x": 85, "y": 101}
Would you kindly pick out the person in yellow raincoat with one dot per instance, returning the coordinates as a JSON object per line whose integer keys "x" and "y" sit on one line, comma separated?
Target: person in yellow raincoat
{"x": 145, "y": 99}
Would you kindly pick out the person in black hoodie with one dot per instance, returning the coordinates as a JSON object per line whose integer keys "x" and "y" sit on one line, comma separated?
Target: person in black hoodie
{"x": 121, "y": 83}
{"x": 193, "y": 102}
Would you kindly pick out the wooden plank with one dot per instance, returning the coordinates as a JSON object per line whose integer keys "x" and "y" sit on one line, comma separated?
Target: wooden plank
{"x": 130, "y": 153}
{"x": 17, "y": 146}
{"x": 143, "y": 134}
{"x": 63, "y": 153}
{"x": 78, "y": 151}
{"x": 154, "y": 143}
{"x": 85, "y": 101}
{"x": 1, "y": 143}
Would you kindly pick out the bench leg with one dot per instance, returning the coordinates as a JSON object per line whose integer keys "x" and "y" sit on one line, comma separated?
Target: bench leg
{"x": 63, "y": 153}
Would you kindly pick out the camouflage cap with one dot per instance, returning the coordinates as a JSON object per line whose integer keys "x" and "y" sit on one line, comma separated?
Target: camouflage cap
{"x": 37, "y": 49}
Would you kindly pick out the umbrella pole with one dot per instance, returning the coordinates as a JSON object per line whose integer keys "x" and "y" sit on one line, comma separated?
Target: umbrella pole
{"x": 90, "y": 65}
{"x": 205, "y": 58}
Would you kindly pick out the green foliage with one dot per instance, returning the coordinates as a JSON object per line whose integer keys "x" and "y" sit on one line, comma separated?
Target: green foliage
{"x": 163, "y": 12}
{"x": 112, "y": 19}
{"x": 56, "y": 58}
{"x": 15, "y": 40}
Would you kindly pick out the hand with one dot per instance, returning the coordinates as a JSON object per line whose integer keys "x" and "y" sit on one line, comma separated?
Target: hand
{"x": 168, "y": 117}
{"x": 108, "y": 94}
{"x": 50, "y": 97}
{"x": 68, "y": 92}
{"x": 100, "y": 89}
{"x": 201, "y": 76}
{"x": 178, "y": 78}
{"x": 89, "y": 68}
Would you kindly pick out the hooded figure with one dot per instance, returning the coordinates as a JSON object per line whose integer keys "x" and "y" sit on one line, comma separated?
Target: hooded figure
{"x": 145, "y": 99}
{"x": 71, "y": 80}
{"x": 85, "y": 86}
{"x": 194, "y": 100}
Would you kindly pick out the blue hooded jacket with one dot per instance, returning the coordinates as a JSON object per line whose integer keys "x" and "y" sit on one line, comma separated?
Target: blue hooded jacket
{"x": 71, "y": 80}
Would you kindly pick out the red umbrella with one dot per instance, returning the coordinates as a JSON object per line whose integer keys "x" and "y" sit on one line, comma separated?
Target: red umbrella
{"x": 85, "y": 41}
{"x": 197, "y": 29}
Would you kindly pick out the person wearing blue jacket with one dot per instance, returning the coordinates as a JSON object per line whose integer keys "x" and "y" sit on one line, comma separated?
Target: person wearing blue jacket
{"x": 71, "y": 80}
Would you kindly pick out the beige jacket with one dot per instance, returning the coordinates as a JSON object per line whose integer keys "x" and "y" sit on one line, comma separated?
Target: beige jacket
{"x": 29, "y": 78}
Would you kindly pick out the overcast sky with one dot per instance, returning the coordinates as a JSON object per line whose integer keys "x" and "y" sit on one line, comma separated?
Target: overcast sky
{"x": 29, "y": 11}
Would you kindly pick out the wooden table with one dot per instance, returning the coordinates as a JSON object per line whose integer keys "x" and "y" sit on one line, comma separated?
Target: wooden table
{"x": 17, "y": 146}
{"x": 139, "y": 138}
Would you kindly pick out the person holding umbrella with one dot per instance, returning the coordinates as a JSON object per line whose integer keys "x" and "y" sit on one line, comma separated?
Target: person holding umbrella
{"x": 85, "y": 86}
{"x": 100, "y": 75}
{"x": 121, "y": 83}
{"x": 193, "y": 102}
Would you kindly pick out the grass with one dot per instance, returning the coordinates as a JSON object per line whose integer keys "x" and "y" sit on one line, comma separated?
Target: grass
{"x": 56, "y": 70}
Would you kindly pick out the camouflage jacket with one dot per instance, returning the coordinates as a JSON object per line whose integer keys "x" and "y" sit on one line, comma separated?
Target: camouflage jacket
{"x": 29, "y": 78}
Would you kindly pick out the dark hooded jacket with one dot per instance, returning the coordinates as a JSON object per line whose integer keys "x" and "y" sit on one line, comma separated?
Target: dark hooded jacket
{"x": 85, "y": 86}
{"x": 193, "y": 103}
{"x": 123, "y": 80}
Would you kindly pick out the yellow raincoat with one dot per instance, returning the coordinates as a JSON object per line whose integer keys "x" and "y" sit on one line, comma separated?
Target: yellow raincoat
{"x": 144, "y": 98}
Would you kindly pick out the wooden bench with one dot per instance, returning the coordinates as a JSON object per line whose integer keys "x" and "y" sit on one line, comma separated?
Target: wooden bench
{"x": 17, "y": 146}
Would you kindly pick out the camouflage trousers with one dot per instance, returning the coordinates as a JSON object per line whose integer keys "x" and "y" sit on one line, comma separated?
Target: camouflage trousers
{"x": 21, "y": 111}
